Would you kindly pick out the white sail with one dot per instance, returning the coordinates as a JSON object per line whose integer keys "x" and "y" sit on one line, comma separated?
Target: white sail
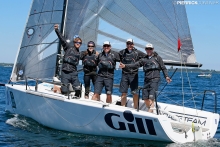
{"x": 160, "y": 22}
{"x": 38, "y": 51}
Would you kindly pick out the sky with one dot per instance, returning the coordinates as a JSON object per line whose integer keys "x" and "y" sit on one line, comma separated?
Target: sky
{"x": 203, "y": 19}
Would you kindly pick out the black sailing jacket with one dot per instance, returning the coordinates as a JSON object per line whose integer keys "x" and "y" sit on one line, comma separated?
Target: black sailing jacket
{"x": 135, "y": 55}
{"x": 112, "y": 58}
{"x": 152, "y": 66}
{"x": 87, "y": 55}
{"x": 71, "y": 56}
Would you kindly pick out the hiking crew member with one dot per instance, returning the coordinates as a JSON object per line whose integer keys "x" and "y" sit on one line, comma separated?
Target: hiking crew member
{"x": 130, "y": 55}
{"x": 70, "y": 61}
{"x": 106, "y": 62}
{"x": 89, "y": 61}
{"x": 152, "y": 64}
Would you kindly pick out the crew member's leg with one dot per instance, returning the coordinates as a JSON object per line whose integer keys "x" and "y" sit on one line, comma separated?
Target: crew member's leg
{"x": 152, "y": 93}
{"x": 133, "y": 82}
{"x": 65, "y": 79}
{"x": 124, "y": 89}
{"x": 99, "y": 83}
{"x": 149, "y": 94}
{"x": 93, "y": 77}
{"x": 108, "y": 83}
{"x": 76, "y": 84}
{"x": 145, "y": 95}
{"x": 87, "y": 85}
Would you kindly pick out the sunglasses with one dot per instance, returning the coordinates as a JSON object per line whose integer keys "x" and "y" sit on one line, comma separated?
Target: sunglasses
{"x": 106, "y": 45}
{"x": 78, "y": 42}
{"x": 90, "y": 46}
{"x": 148, "y": 49}
{"x": 129, "y": 43}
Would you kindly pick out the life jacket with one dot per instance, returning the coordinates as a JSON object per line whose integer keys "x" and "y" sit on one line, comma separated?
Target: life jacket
{"x": 72, "y": 57}
{"x": 90, "y": 60}
{"x": 106, "y": 62}
{"x": 129, "y": 58}
{"x": 151, "y": 64}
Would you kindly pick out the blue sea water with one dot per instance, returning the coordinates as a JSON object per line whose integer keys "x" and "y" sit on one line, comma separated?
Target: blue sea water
{"x": 17, "y": 130}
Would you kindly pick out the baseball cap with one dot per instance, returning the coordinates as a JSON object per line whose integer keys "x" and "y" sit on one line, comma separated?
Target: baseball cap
{"x": 130, "y": 40}
{"x": 106, "y": 43}
{"x": 149, "y": 45}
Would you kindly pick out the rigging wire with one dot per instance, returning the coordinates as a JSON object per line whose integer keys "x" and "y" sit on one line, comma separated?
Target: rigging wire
{"x": 181, "y": 57}
{"x": 181, "y": 61}
{"x": 191, "y": 92}
{"x": 180, "y": 53}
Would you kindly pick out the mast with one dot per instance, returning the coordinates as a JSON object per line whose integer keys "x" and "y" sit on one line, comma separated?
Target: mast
{"x": 59, "y": 48}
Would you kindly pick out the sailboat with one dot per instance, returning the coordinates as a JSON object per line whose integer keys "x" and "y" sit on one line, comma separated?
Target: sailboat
{"x": 39, "y": 59}
{"x": 204, "y": 75}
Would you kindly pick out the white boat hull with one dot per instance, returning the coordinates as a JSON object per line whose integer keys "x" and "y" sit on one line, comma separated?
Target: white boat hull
{"x": 99, "y": 118}
{"x": 205, "y": 75}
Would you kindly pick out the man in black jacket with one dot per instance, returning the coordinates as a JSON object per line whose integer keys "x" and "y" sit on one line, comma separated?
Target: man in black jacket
{"x": 106, "y": 63}
{"x": 152, "y": 64}
{"x": 130, "y": 55}
{"x": 70, "y": 61}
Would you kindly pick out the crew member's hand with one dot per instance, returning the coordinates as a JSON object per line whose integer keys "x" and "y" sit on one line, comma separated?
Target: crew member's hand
{"x": 168, "y": 79}
{"x": 121, "y": 65}
{"x": 56, "y": 26}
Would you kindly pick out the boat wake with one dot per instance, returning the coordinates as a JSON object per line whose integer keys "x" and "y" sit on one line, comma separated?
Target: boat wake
{"x": 201, "y": 143}
{"x": 17, "y": 121}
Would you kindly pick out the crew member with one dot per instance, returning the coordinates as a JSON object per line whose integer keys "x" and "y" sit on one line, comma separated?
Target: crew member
{"x": 106, "y": 62}
{"x": 89, "y": 61}
{"x": 70, "y": 61}
{"x": 130, "y": 55}
{"x": 152, "y": 64}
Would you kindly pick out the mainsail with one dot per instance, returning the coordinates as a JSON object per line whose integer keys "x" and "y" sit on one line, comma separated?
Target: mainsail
{"x": 160, "y": 22}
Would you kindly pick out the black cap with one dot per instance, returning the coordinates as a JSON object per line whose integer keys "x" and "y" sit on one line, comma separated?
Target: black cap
{"x": 91, "y": 42}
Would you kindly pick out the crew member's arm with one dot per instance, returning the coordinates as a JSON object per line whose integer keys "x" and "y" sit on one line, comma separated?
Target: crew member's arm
{"x": 63, "y": 41}
{"x": 133, "y": 65}
{"x": 164, "y": 69}
{"x": 82, "y": 55}
{"x": 117, "y": 57}
{"x": 120, "y": 55}
{"x": 141, "y": 54}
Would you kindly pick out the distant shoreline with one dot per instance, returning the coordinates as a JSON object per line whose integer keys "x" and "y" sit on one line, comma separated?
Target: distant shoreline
{"x": 194, "y": 70}
{"x": 7, "y": 64}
